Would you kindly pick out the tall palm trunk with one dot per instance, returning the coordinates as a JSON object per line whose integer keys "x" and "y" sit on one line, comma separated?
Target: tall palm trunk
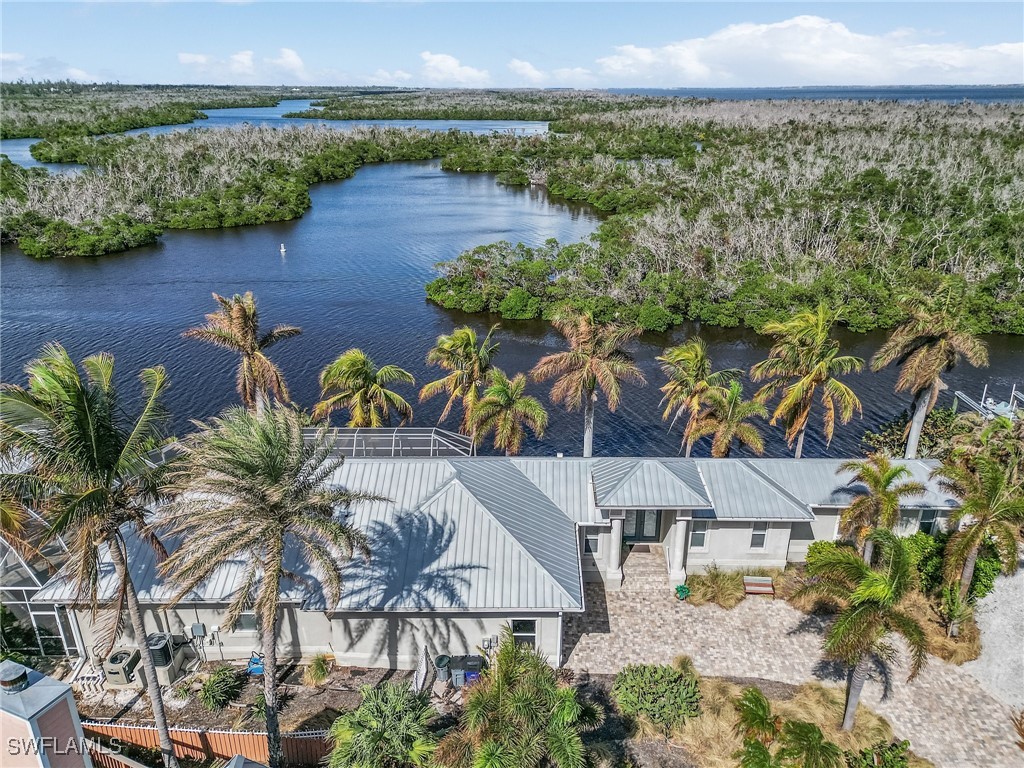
{"x": 857, "y": 679}
{"x": 275, "y": 755}
{"x": 589, "y": 399}
{"x": 800, "y": 444}
{"x": 689, "y": 447}
{"x": 965, "y": 586}
{"x": 139, "y": 628}
{"x": 869, "y": 550}
{"x": 924, "y": 399}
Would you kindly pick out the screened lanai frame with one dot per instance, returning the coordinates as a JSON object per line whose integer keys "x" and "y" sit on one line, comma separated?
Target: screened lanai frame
{"x": 21, "y": 577}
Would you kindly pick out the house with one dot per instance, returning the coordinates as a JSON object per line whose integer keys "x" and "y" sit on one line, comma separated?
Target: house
{"x": 465, "y": 546}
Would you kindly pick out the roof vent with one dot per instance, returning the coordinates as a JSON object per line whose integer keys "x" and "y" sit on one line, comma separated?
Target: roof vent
{"x": 13, "y": 677}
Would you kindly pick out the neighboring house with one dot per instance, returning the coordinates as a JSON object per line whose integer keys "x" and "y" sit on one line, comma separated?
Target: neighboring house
{"x": 468, "y": 545}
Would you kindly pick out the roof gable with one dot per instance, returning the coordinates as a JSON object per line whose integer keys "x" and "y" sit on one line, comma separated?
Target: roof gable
{"x": 645, "y": 484}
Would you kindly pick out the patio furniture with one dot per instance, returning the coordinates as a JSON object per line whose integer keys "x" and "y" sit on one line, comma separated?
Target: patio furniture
{"x": 758, "y": 585}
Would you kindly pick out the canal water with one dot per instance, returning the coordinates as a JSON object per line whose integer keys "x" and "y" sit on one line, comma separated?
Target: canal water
{"x": 353, "y": 276}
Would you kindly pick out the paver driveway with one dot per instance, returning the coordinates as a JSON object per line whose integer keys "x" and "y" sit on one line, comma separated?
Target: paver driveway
{"x": 945, "y": 713}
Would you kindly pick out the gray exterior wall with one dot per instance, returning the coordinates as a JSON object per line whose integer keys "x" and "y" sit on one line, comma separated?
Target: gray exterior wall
{"x": 803, "y": 534}
{"x": 396, "y": 641}
{"x": 366, "y": 640}
{"x": 728, "y": 547}
{"x": 301, "y": 634}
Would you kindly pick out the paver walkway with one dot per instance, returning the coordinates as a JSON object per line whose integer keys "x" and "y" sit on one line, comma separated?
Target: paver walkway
{"x": 945, "y": 713}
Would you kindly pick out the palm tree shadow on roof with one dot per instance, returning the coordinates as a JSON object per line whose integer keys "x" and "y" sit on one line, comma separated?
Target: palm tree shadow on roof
{"x": 403, "y": 582}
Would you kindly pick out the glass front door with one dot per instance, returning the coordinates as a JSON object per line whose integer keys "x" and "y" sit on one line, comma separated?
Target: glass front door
{"x": 641, "y": 525}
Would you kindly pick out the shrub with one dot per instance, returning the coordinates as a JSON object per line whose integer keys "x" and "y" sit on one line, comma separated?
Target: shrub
{"x": 928, "y": 553}
{"x": 391, "y": 727}
{"x": 518, "y": 304}
{"x": 657, "y": 695}
{"x": 881, "y": 755}
{"x": 724, "y": 588}
{"x": 820, "y": 548}
{"x": 221, "y": 688}
{"x": 318, "y": 671}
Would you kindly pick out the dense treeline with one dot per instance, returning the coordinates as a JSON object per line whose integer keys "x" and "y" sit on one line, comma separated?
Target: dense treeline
{"x": 135, "y": 186}
{"x": 54, "y": 109}
{"x": 471, "y": 105}
{"x": 724, "y": 212}
{"x": 740, "y": 212}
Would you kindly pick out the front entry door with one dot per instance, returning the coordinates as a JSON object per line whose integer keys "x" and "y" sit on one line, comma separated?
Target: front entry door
{"x": 641, "y": 525}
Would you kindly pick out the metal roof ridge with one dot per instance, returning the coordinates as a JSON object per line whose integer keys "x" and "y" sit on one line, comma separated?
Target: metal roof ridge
{"x": 550, "y": 577}
{"x": 777, "y": 487}
{"x": 635, "y": 465}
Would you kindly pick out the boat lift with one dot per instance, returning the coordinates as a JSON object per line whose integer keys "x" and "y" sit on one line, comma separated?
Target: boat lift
{"x": 990, "y": 408}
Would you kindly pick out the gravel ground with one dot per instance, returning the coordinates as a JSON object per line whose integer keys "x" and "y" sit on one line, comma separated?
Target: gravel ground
{"x": 1000, "y": 616}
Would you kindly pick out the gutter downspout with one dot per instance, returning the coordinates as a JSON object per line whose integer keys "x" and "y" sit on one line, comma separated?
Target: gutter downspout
{"x": 560, "y": 634}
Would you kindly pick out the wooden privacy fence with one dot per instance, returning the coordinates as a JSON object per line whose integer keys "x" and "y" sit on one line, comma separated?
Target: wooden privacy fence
{"x": 307, "y": 748}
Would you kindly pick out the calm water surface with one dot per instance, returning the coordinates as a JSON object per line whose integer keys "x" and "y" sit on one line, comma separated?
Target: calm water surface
{"x": 353, "y": 275}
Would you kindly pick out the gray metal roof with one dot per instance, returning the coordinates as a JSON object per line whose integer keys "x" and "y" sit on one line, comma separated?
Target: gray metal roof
{"x": 819, "y": 483}
{"x": 455, "y": 535}
{"x": 645, "y": 484}
{"x": 737, "y": 492}
{"x": 566, "y": 482}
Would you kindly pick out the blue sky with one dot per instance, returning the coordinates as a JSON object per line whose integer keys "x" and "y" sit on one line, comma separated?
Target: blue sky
{"x": 516, "y": 44}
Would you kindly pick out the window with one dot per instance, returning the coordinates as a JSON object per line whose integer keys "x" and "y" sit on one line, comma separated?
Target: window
{"x": 592, "y": 544}
{"x": 758, "y": 536}
{"x": 246, "y": 622}
{"x": 927, "y": 524}
{"x": 699, "y": 534}
{"x": 524, "y": 632}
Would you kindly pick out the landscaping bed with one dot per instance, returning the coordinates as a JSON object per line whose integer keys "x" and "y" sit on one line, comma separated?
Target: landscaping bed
{"x": 305, "y": 708}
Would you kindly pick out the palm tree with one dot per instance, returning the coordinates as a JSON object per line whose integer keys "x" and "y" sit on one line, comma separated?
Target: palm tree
{"x": 507, "y": 411}
{"x": 928, "y": 344}
{"x": 803, "y": 359}
{"x": 249, "y": 488}
{"x": 725, "y": 416}
{"x": 236, "y": 326}
{"x": 991, "y": 508}
{"x": 805, "y": 745}
{"x": 353, "y": 382}
{"x": 872, "y": 597}
{"x": 389, "y": 729}
{"x": 519, "y": 715}
{"x": 878, "y": 506}
{"x": 690, "y": 378}
{"x": 83, "y": 468}
{"x": 755, "y": 720}
{"x": 595, "y": 360}
{"x": 469, "y": 364}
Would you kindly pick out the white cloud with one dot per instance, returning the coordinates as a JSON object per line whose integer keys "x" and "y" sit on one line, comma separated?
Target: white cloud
{"x": 443, "y": 69}
{"x": 193, "y": 58}
{"x": 291, "y": 63}
{"x": 811, "y": 50}
{"x": 241, "y": 63}
{"x": 527, "y": 71}
{"x": 17, "y": 67}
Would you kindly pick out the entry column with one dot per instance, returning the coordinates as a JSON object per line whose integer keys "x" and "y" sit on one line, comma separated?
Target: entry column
{"x": 615, "y": 555}
{"x": 677, "y": 572}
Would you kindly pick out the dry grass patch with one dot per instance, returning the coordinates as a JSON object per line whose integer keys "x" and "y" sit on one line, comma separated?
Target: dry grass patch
{"x": 711, "y": 740}
{"x": 955, "y": 650}
{"x": 723, "y": 588}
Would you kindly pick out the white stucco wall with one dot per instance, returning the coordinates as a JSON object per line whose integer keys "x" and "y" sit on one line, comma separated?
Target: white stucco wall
{"x": 395, "y": 641}
{"x": 802, "y": 535}
{"x": 595, "y": 566}
{"x": 728, "y": 546}
{"x": 301, "y": 634}
{"x": 365, "y": 640}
